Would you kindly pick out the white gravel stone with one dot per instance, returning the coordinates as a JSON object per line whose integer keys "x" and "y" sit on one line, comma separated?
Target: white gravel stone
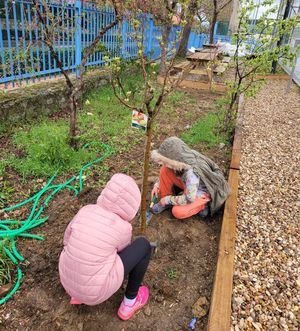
{"x": 266, "y": 280}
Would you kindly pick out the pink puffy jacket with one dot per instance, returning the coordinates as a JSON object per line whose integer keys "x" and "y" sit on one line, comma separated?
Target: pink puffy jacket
{"x": 90, "y": 269}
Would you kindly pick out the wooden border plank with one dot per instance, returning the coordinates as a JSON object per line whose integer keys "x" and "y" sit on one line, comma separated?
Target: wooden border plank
{"x": 235, "y": 159}
{"x": 220, "y": 308}
{"x": 274, "y": 76}
{"x": 217, "y": 87}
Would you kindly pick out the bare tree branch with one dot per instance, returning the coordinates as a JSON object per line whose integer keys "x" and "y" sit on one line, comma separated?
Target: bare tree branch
{"x": 90, "y": 49}
{"x": 126, "y": 104}
{"x": 48, "y": 39}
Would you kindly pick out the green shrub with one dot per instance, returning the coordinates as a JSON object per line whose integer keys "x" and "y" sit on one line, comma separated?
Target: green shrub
{"x": 47, "y": 150}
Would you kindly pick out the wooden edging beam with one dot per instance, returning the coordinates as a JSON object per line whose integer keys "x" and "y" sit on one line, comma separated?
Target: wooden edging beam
{"x": 197, "y": 85}
{"x": 274, "y": 76}
{"x": 220, "y": 307}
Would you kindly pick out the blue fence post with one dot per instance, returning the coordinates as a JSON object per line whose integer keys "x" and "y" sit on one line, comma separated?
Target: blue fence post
{"x": 201, "y": 40}
{"x": 150, "y": 36}
{"x": 78, "y": 34}
{"x": 2, "y": 51}
{"x": 215, "y": 32}
{"x": 124, "y": 38}
{"x": 79, "y": 25}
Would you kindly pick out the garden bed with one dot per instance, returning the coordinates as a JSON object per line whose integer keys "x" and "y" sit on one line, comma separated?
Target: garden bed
{"x": 183, "y": 268}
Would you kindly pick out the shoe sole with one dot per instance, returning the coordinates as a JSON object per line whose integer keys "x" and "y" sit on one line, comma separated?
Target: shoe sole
{"x": 125, "y": 318}
{"x": 128, "y": 317}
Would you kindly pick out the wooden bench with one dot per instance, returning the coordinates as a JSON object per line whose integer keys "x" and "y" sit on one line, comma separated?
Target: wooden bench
{"x": 182, "y": 65}
{"x": 198, "y": 72}
{"x": 226, "y": 59}
{"x": 219, "y": 69}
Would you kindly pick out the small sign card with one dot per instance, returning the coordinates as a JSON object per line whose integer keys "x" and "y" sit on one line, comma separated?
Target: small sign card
{"x": 139, "y": 120}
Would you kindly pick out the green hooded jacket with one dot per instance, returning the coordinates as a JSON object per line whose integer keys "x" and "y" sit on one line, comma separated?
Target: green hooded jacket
{"x": 175, "y": 154}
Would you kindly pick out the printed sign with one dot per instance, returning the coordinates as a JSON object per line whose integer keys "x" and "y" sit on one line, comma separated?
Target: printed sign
{"x": 139, "y": 120}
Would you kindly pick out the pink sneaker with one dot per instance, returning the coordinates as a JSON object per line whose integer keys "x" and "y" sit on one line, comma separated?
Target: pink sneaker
{"x": 74, "y": 302}
{"x": 125, "y": 312}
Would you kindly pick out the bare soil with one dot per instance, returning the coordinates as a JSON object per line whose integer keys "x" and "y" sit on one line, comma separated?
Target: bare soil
{"x": 181, "y": 271}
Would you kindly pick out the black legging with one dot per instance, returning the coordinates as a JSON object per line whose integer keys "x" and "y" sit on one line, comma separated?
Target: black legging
{"x": 135, "y": 258}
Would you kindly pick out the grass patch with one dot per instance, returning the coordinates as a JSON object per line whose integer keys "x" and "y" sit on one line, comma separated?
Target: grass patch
{"x": 43, "y": 144}
{"x": 47, "y": 150}
{"x": 204, "y": 131}
{"x": 176, "y": 97}
{"x": 105, "y": 119}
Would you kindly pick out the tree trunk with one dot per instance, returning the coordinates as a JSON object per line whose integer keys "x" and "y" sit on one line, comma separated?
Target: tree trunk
{"x": 184, "y": 40}
{"x": 230, "y": 114}
{"x": 73, "y": 118}
{"x": 165, "y": 48}
{"x": 191, "y": 12}
{"x": 145, "y": 177}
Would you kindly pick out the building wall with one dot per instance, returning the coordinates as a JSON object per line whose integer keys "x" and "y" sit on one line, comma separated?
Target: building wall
{"x": 225, "y": 14}
{"x": 228, "y": 16}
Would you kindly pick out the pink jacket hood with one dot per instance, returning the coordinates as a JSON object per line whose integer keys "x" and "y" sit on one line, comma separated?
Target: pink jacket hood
{"x": 121, "y": 196}
{"x": 90, "y": 267}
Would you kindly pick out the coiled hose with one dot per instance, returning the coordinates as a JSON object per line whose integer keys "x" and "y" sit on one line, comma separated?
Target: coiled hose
{"x": 10, "y": 230}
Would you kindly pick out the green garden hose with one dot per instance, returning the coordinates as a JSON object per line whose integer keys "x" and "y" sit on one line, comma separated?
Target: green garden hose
{"x": 10, "y": 230}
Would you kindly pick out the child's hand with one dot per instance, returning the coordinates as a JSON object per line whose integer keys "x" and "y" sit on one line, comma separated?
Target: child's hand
{"x": 155, "y": 191}
{"x": 163, "y": 202}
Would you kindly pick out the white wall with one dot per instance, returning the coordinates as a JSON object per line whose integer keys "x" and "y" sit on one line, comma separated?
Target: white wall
{"x": 262, "y": 9}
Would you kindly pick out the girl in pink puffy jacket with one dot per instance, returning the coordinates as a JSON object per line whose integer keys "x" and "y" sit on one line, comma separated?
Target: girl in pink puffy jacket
{"x": 98, "y": 253}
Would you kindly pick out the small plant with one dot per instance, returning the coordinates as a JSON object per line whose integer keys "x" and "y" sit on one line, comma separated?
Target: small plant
{"x": 5, "y": 268}
{"x": 5, "y": 193}
{"x": 172, "y": 273}
{"x": 3, "y": 165}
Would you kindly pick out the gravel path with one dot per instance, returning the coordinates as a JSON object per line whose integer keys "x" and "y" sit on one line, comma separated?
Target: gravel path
{"x": 266, "y": 292}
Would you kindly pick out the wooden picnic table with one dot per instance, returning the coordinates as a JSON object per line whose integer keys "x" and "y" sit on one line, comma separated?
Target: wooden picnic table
{"x": 202, "y": 57}
{"x": 208, "y": 50}
{"x": 210, "y": 46}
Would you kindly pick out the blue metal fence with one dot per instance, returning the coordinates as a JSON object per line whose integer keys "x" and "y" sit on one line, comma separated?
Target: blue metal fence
{"x": 24, "y": 54}
{"x": 197, "y": 40}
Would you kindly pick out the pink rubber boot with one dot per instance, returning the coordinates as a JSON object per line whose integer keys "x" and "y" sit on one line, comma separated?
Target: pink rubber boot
{"x": 74, "y": 302}
{"x": 125, "y": 312}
